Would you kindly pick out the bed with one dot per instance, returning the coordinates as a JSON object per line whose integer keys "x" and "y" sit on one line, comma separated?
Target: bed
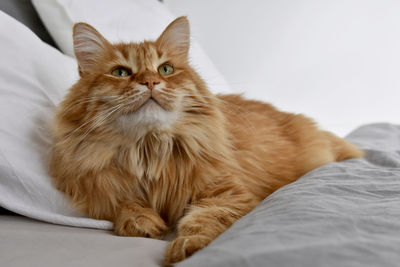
{"x": 342, "y": 214}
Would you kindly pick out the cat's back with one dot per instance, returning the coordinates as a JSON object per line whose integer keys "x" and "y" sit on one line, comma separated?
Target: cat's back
{"x": 256, "y": 117}
{"x": 275, "y": 145}
{"x": 238, "y": 102}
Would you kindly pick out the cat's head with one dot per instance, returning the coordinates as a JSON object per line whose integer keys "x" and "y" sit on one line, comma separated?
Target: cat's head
{"x": 135, "y": 88}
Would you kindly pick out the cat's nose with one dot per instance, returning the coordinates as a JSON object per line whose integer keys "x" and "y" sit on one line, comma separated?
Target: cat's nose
{"x": 150, "y": 84}
{"x": 148, "y": 79}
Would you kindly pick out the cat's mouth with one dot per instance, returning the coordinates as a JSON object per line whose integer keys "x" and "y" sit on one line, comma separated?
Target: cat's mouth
{"x": 142, "y": 104}
{"x": 152, "y": 99}
{"x": 150, "y": 103}
{"x": 150, "y": 115}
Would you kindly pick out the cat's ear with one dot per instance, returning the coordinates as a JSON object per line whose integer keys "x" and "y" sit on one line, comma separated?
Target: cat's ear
{"x": 89, "y": 44}
{"x": 176, "y": 38}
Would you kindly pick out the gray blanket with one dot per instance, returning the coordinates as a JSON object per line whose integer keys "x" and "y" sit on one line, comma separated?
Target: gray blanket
{"x": 342, "y": 214}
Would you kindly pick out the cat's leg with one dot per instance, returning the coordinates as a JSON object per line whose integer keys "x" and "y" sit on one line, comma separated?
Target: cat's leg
{"x": 135, "y": 220}
{"x": 204, "y": 221}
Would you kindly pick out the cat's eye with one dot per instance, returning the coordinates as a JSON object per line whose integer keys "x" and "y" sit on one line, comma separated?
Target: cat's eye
{"x": 166, "y": 69}
{"x": 120, "y": 72}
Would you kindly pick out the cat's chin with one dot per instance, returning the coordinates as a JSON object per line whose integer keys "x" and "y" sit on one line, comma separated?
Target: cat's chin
{"x": 149, "y": 117}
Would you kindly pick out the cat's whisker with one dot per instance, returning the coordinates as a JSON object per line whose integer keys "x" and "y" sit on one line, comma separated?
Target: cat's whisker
{"x": 67, "y": 137}
{"x": 101, "y": 114}
{"x": 133, "y": 101}
{"x": 88, "y": 100}
{"x": 168, "y": 98}
{"x": 133, "y": 95}
{"x": 84, "y": 124}
{"x": 133, "y": 98}
{"x": 107, "y": 114}
{"x": 96, "y": 125}
{"x": 80, "y": 101}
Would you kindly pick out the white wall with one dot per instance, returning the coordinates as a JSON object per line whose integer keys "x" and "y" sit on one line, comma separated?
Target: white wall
{"x": 336, "y": 61}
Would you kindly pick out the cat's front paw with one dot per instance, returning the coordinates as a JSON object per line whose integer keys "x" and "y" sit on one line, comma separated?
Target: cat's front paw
{"x": 184, "y": 246}
{"x": 143, "y": 225}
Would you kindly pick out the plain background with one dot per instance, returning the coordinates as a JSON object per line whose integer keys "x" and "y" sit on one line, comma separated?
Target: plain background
{"x": 336, "y": 61}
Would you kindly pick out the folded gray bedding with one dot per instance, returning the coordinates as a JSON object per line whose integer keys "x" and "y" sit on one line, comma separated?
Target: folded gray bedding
{"x": 342, "y": 214}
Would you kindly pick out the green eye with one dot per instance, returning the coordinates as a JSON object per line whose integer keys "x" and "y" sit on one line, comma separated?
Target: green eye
{"x": 120, "y": 72}
{"x": 165, "y": 69}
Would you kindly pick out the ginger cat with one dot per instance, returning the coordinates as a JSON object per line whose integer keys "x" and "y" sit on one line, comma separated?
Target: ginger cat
{"x": 139, "y": 140}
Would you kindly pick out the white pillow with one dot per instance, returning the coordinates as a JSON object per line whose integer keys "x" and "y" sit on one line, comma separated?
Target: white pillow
{"x": 33, "y": 79}
{"x": 122, "y": 20}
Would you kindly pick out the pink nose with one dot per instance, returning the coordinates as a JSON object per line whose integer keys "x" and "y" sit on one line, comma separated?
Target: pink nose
{"x": 150, "y": 84}
{"x": 150, "y": 79}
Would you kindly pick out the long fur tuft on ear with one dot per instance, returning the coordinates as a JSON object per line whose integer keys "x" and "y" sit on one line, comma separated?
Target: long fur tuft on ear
{"x": 88, "y": 46}
{"x": 176, "y": 37}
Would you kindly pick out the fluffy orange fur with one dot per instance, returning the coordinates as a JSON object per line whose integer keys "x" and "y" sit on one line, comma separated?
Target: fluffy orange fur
{"x": 150, "y": 150}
